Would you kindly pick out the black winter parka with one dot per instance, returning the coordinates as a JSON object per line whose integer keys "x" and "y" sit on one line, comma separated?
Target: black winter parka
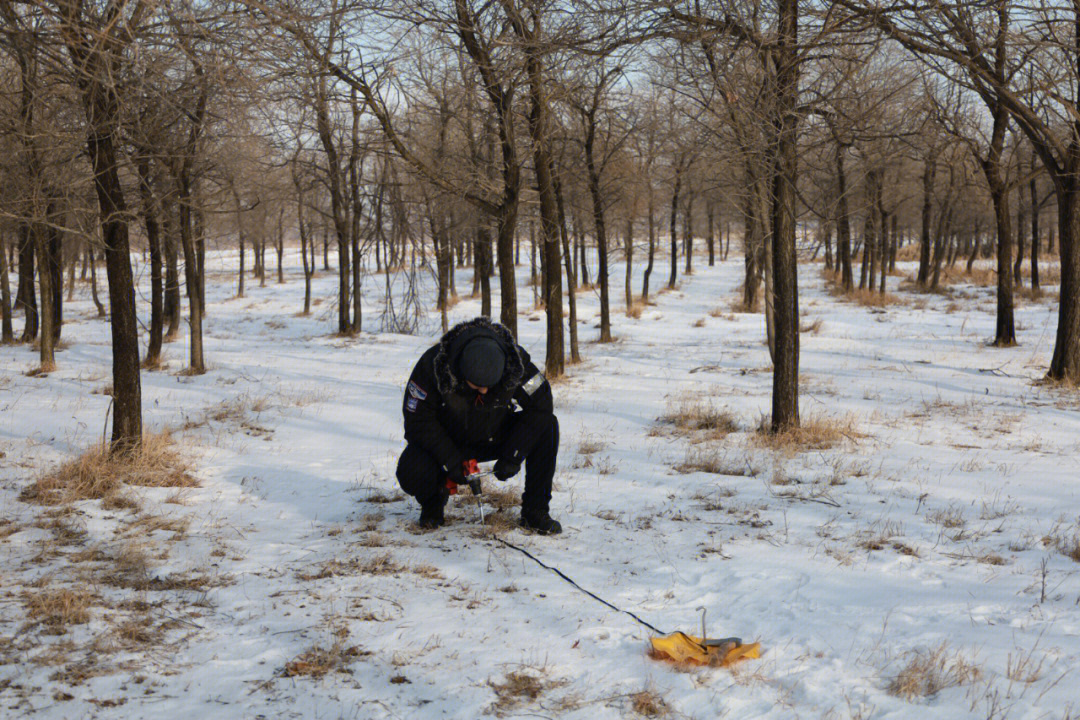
{"x": 454, "y": 423}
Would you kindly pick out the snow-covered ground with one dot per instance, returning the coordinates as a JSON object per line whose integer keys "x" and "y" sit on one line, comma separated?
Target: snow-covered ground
{"x": 914, "y": 569}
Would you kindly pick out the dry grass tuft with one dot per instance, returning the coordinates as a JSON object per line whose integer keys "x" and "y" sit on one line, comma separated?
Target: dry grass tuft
{"x": 590, "y": 444}
{"x": 1070, "y": 547}
{"x": 648, "y": 704}
{"x": 42, "y": 370}
{"x": 812, "y": 328}
{"x": 980, "y": 276}
{"x": 1065, "y": 384}
{"x": 8, "y": 528}
{"x": 380, "y": 498}
{"x": 98, "y": 474}
{"x": 379, "y": 565}
{"x": 499, "y": 499}
{"x": 868, "y": 298}
{"x": 56, "y": 609}
{"x": 711, "y": 459}
{"x": 692, "y": 414}
{"x": 317, "y": 661}
{"x": 813, "y": 433}
{"x": 635, "y": 310}
{"x": 516, "y": 688}
{"x": 928, "y": 672}
{"x": 949, "y": 518}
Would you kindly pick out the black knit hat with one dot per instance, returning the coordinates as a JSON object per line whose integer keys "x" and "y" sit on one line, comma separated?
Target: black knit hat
{"x": 482, "y": 361}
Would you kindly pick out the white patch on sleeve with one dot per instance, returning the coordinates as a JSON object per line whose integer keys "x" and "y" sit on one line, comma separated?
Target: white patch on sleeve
{"x": 416, "y": 391}
{"x": 533, "y": 384}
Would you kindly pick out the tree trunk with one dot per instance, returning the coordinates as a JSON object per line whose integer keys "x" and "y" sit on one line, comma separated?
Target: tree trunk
{"x": 883, "y": 228}
{"x": 628, "y": 244}
{"x": 709, "y": 233}
{"x": 153, "y": 241}
{"x": 482, "y": 252}
{"x": 101, "y": 107}
{"x": 279, "y": 247}
{"x": 652, "y": 250}
{"x": 753, "y": 240}
{"x": 26, "y": 297}
{"x": 506, "y": 229}
{"x": 894, "y": 240}
{"x": 674, "y": 228}
{"x": 46, "y": 304}
{"x": 93, "y": 286}
{"x": 55, "y": 254}
{"x": 1065, "y": 364}
{"x": 867, "y": 248}
{"x": 171, "y": 308}
{"x": 1021, "y": 232}
{"x": 192, "y": 281}
{"x": 533, "y": 277}
{"x": 785, "y": 400}
{"x": 543, "y": 164}
{"x": 571, "y": 283}
{"x": 1005, "y": 333}
{"x": 929, "y": 172}
{"x": 600, "y": 227}
{"x": 240, "y": 272}
{"x": 843, "y": 224}
{"x": 688, "y": 233}
{"x": 1036, "y": 288}
{"x": 7, "y": 333}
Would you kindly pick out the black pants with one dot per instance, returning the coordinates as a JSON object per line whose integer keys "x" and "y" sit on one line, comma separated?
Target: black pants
{"x": 421, "y": 475}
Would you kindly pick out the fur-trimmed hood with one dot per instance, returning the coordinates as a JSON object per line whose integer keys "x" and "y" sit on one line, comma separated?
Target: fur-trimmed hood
{"x": 455, "y": 339}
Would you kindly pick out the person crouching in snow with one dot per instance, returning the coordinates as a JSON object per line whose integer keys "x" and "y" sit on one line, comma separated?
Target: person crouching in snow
{"x": 476, "y": 395}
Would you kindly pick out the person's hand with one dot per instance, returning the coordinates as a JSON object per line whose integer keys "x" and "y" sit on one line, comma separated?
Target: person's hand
{"x": 504, "y": 469}
{"x": 459, "y": 473}
{"x": 456, "y": 474}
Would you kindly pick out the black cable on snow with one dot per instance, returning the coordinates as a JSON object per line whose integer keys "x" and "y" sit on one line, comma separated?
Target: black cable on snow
{"x": 570, "y": 580}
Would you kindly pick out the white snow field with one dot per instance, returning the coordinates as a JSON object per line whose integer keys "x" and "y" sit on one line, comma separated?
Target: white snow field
{"x": 917, "y": 568}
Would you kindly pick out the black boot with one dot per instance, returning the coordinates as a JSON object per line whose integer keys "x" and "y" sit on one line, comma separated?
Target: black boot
{"x": 431, "y": 512}
{"x": 540, "y": 523}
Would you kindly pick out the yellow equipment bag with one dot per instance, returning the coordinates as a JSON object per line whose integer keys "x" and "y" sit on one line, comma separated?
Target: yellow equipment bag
{"x": 681, "y": 647}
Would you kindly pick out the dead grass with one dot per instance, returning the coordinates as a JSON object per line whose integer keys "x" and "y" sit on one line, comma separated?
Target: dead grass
{"x": 590, "y": 444}
{"x": 8, "y": 528}
{"x": 649, "y": 704}
{"x": 635, "y": 310}
{"x": 317, "y": 661}
{"x": 980, "y": 276}
{"x": 499, "y": 499}
{"x": 55, "y": 610}
{"x": 812, "y": 328}
{"x": 816, "y": 432}
{"x": 1065, "y": 385}
{"x": 949, "y": 518}
{"x": 714, "y": 460}
{"x": 694, "y": 414}
{"x": 928, "y": 672}
{"x": 1070, "y": 547}
{"x": 739, "y": 304}
{"x": 41, "y": 370}
{"x": 98, "y": 474}
{"x": 156, "y": 523}
{"x": 516, "y": 689}
{"x": 380, "y": 498}
{"x": 378, "y": 565}
{"x": 868, "y": 298}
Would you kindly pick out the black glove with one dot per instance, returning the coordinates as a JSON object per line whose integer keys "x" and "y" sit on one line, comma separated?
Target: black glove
{"x": 504, "y": 469}
{"x": 456, "y": 474}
